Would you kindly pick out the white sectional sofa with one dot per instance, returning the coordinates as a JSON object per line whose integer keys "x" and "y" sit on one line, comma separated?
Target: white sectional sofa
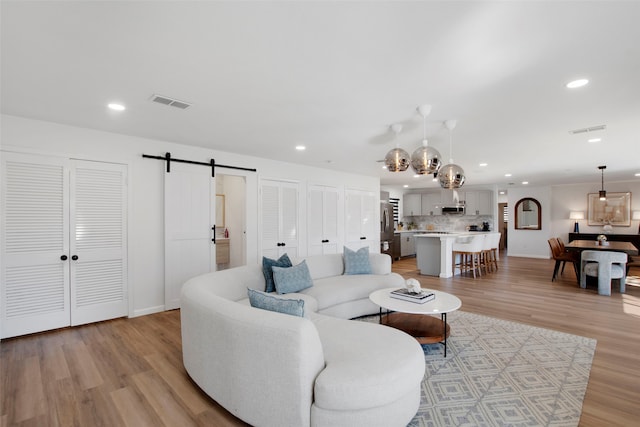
{"x": 274, "y": 369}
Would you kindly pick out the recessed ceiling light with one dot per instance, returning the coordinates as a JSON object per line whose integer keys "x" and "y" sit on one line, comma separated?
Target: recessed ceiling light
{"x": 577, "y": 83}
{"x": 116, "y": 107}
{"x": 416, "y": 176}
{"x": 384, "y": 166}
{"x": 300, "y": 147}
{"x": 525, "y": 182}
{"x": 483, "y": 164}
{"x": 406, "y": 186}
{"x": 507, "y": 174}
{"x": 594, "y": 140}
{"x": 638, "y": 174}
{"x": 502, "y": 192}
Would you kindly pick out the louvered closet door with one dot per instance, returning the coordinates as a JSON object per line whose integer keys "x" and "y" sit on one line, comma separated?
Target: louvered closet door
{"x": 35, "y": 235}
{"x": 99, "y": 241}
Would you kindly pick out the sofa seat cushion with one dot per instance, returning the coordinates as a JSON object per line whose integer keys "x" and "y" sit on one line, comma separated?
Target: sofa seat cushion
{"x": 310, "y": 303}
{"x": 336, "y": 290}
{"x": 367, "y": 365}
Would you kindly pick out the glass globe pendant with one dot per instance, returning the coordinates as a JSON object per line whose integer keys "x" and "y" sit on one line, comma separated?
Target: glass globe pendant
{"x": 425, "y": 160}
{"x": 397, "y": 160}
{"x": 451, "y": 176}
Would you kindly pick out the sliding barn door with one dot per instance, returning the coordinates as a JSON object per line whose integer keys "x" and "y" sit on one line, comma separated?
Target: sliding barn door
{"x": 189, "y": 210}
{"x": 98, "y": 241}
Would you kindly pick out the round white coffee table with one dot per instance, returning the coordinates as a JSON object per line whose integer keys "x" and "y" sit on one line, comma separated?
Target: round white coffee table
{"x": 417, "y": 319}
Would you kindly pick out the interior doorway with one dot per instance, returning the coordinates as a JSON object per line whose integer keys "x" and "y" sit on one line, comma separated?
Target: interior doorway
{"x": 231, "y": 219}
{"x": 503, "y": 223}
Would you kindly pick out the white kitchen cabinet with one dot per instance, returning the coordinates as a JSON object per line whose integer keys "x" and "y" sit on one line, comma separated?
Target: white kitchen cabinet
{"x": 323, "y": 212}
{"x": 64, "y": 246}
{"x": 407, "y": 244}
{"x": 478, "y": 203}
{"x": 279, "y": 228}
{"x": 412, "y": 204}
{"x": 431, "y": 203}
{"x": 361, "y": 220}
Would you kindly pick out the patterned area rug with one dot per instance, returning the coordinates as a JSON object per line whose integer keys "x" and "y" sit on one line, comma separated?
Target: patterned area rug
{"x": 501, "y": 373}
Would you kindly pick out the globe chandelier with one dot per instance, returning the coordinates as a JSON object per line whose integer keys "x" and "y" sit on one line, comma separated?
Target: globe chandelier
{"x": 397, "y": 159}
{"x": 451, "y": 176}
{"x": 425, "y": 160}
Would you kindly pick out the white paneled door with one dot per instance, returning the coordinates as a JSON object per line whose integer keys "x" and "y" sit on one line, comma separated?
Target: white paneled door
{"x": 189, "y": 209}
{"x": 63, "y": 244}
{"x": 279, "y": 218}
{"x": 322, "y": 220}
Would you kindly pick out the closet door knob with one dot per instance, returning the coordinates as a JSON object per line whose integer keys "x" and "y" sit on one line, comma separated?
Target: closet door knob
{"x": 74, "y": 257}
{"x": 63, "y": 257}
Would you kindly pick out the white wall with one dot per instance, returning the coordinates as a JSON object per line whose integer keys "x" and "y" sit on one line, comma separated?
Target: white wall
{"x": 146, "y": 204}
{"x": 567, "y": 198}
{"x": 529, "y": 243}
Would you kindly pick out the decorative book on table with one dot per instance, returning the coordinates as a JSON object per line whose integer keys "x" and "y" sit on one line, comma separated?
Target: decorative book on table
{"x": 417, "y": 297}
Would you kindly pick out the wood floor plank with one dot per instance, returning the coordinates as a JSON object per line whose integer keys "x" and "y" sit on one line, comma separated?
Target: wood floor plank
{"x": 132, "y": 409}
{"x": 82, "y": 366}
{"x": 129, "y": 371}
{"x": 29, "y": 394}
{"x": 176, "y": 377}
{"x": 160, "y": 397}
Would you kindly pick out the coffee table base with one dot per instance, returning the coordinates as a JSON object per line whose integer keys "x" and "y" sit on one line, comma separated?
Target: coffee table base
{"x": 423, "y": 327}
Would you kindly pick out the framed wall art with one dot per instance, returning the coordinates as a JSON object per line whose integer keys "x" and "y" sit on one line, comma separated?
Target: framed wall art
{"x": 615, "y": 211}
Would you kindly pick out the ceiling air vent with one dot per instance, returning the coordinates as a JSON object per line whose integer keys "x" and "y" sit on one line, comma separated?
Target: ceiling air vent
{"x": 590, "y": 129}
{"x": 170, "y": 102}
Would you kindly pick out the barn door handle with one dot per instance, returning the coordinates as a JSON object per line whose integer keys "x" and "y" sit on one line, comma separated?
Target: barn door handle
{"x": 214, "y": 234}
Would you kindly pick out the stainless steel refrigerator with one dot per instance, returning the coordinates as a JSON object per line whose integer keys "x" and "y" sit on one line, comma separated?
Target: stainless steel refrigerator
{"x": 386, "y": 228}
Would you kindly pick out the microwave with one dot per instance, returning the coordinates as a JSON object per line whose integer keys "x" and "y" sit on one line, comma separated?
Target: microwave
{"x": 453, "y": 210}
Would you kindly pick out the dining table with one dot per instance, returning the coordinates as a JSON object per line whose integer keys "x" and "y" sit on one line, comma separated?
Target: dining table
{"x": 593, "y": 245}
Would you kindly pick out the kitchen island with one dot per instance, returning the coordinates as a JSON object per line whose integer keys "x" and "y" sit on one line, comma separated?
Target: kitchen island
{"x": 434, "y": 252}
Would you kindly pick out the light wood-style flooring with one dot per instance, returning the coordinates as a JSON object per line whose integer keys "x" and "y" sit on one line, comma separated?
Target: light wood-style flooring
{"x": 128, "y": 372}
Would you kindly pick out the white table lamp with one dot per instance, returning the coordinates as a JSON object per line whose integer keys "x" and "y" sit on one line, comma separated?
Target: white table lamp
{"x": 576, "y": 215}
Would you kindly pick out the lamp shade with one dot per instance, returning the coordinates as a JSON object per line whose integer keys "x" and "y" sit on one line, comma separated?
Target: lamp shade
{"x": 576, "y": 215}
{"x": 636, "y": 215}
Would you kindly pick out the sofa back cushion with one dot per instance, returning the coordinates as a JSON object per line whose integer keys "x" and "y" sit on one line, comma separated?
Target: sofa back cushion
{"x": 292, "y": 279}
{"x": 357, "y": 262}
{"x": 321, "y": 266}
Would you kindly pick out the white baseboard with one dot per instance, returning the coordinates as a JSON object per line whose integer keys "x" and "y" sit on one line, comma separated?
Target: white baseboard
{"x": 529, "y": 256}
{"x": 148, "y": 310}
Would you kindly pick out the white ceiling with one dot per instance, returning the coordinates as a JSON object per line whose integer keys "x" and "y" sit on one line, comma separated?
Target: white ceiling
{"x": 264, "y": 77}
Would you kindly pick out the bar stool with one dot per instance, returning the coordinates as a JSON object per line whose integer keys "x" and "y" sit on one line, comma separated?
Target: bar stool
{"x": 469, "y": 249}
{"x": 490, "y": 252}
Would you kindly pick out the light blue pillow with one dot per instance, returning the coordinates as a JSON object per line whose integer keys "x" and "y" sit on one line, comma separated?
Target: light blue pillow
{"x": 267, "y": 263}
{"x": 292, "y": 279}
{"x": 357, "y": 262}
{"x": 263, "y": 300}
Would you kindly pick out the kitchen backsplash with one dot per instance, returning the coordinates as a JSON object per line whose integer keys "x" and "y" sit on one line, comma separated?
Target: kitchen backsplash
{"x": 446, "y": 222}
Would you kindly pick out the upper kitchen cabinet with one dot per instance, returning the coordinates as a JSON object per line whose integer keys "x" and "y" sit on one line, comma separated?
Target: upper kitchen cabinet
{"x": 432, "y": 203}
{"x": 478, "y": 202}
{"x": 412, "y": 204}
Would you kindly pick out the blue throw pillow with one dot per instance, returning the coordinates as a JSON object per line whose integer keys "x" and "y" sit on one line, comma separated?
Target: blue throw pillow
{"x": 357, "y": 262}
{"x": 292, "y": 279}
{"x": 267, "y": 263}
{"x": 294, "y": 307}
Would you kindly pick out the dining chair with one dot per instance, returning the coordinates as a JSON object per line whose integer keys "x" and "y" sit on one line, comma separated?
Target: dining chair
{"x": 605, "y": 265}
{"x": 562, "y": 257}
{"x": 469, "y": 250}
